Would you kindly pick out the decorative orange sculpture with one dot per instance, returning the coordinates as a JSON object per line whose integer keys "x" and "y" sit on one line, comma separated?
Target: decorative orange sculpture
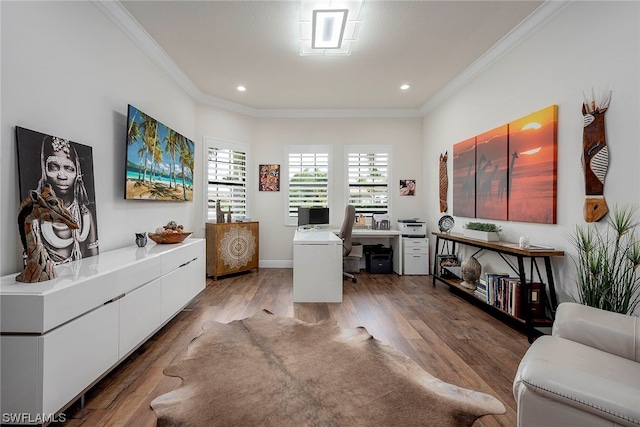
{"x": 595, "y": 158}
{"x": 43, "y": 206}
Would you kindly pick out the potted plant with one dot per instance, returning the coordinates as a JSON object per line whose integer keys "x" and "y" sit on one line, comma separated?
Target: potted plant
{"x": 607, "y": 260}
{"x": 482, "y": 231}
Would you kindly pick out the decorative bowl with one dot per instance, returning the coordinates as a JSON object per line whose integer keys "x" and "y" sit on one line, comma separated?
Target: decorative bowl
{"x": 169, "y": 237}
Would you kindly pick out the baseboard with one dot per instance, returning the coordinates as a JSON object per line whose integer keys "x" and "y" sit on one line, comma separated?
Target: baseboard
{"x": 277, "y": 263}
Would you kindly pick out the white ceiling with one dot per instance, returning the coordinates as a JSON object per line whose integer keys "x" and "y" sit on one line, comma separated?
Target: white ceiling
{"x": 218, "y": 45}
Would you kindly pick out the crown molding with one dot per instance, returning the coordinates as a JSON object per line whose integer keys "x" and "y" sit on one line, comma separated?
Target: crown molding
{"x": 121, "y": 17}
{"x": 540, "y": 17}
{"x": 337, "y": 113}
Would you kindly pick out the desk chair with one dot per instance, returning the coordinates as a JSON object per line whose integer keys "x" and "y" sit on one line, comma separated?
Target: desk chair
{"x": 348, "y": 252}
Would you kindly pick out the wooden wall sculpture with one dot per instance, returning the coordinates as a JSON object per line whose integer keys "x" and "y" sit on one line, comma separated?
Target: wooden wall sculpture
{"x": 444, "y": 182}
{"x": 595, "y": 158}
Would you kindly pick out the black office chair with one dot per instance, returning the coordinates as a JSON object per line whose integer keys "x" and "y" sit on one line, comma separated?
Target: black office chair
{"x": 347, "y": 245}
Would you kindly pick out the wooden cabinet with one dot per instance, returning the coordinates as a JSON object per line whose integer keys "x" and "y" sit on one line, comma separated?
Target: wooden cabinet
{"x": 527, "y": 315}
{"x": 232, "y": 247}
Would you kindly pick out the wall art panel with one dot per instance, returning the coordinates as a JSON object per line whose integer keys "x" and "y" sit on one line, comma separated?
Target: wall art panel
{"x": 533, "y": 159}
{"x": 68, "y": 167}
{"x": 159, "y": 160}
{"x": 491, "y": 174}
{"x": 464, "y": 178}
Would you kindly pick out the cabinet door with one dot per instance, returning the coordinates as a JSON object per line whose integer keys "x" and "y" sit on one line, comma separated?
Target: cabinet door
{"x": 77, "y": 353}
{"x": 236, "y": 247}
{"x": 139, "y": 315}
{"x": 21, "y": 381}
{"x": 196, "y": 279}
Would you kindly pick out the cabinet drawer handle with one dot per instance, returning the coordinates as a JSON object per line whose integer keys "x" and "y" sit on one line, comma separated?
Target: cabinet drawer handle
{"x": 114, "y": 299}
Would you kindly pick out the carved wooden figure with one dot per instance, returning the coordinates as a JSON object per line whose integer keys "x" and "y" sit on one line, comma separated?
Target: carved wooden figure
{"x": 595, "y": 159}
{"x": 40, "y": 206}
{"x": 444, "y": 182}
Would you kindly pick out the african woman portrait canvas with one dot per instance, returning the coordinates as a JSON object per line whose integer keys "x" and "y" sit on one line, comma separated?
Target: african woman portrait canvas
{"x": 68, "y": 168}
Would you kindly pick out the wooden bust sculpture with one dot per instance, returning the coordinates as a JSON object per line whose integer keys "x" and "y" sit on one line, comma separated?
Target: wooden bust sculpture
{"x": 595, "y": 159}
{"x": 40, "y": 206}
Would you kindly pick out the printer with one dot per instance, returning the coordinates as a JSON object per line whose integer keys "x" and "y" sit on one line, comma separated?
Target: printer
{"x": 412, "y": 228}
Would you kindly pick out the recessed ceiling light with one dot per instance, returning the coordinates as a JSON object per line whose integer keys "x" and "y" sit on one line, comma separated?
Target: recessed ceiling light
{"x": 241, "y": 88}
{"x": 405, "y": 87}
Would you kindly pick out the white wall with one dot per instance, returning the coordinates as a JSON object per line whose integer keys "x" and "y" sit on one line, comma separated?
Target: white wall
{"x": 268, "y": 137}
{"x": 69, "y": 72}
{"x": 591, "y": 45}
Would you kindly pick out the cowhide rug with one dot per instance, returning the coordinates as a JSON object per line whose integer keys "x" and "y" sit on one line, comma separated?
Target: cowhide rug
{"x": 276, "y": 371}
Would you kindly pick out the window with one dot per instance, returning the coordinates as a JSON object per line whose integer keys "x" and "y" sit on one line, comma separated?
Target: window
{"x": 368, "y": 175}
{"x": 226, "y": 178}
{"x": 308, "y": 178}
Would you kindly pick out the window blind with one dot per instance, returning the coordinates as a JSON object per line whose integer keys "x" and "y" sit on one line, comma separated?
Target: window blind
{"x": 226, "y": 182}
{"x": 308, "y": 180}
{"x": 368, "y": 180}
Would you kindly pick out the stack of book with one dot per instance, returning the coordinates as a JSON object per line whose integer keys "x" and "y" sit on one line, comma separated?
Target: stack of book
{"x": 504, "y": 293}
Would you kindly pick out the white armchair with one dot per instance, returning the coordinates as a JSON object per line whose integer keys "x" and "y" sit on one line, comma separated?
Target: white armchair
{"x": 587, "y": 373}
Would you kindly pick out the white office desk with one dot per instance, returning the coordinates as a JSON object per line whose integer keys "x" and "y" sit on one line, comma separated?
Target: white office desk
{"x": 387, "y": 237}
{"x": 317, "y": 266}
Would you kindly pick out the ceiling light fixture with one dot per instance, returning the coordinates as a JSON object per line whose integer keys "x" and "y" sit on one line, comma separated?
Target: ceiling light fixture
{"x": 405, "y": 87}
{"x": 328, "y": 28}
{"x": 241, "y": 88}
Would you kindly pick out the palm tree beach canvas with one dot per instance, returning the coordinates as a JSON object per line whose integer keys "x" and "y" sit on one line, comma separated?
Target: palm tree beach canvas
{"x": 159, "y": 160}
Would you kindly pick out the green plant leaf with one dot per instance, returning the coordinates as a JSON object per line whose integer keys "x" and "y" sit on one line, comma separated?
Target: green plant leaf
{"x": 607, "y": 261}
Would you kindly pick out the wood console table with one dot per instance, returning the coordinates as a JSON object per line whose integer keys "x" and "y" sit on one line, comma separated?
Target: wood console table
{"x": 508, "y": 251}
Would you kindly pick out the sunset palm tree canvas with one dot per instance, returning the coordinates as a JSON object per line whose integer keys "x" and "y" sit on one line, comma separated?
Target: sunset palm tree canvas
{"x": 159, "y": 160}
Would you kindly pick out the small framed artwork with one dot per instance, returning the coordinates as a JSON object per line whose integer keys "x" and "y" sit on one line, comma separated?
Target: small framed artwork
{"x": 269, "y": 178}
{"x": 407, "y": 187}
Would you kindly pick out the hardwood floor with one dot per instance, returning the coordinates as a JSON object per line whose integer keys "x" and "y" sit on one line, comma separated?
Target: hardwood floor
{"x": 446, "y": 335}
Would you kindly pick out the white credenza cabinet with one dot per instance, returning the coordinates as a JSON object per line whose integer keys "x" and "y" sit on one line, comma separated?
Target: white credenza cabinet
{"x": 61, "y": 336}
{"x": 416, "y": 255}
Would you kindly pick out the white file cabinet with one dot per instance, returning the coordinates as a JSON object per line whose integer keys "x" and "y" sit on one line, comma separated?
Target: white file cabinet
{"x": 416, "y": 255}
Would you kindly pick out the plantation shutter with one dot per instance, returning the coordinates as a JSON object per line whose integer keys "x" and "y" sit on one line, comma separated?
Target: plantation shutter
{"x": 226, "y": 182}
{"x": 308, "y": 178}
{"x": 368, "y": 176}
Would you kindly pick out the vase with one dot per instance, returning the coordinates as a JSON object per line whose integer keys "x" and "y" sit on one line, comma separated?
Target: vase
{"x": 141, "y": 239}
{"x": 219, "y": 214}
{"x": 470, "y": 270}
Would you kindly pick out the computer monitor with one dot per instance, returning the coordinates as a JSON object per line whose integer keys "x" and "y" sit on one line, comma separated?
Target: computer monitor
{"x": 313, "y": 216}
